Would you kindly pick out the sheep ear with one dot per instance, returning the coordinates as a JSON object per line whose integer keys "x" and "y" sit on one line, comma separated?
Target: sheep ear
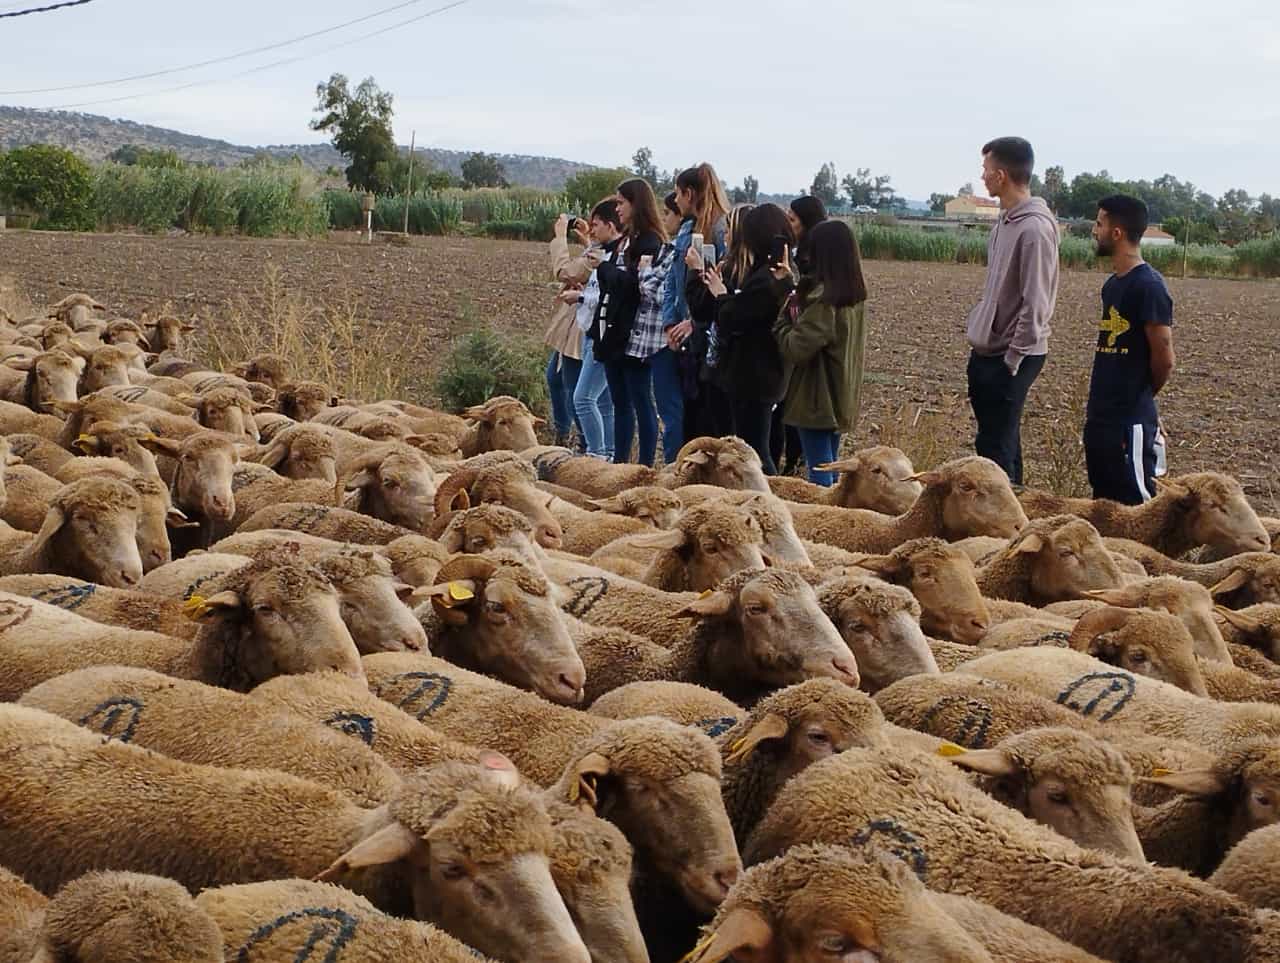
{"x": 846, "y": 467}
{"x": 1173, "y": 488}
{"x": 988, "y": 762}
{"x": 539, "y": 422}
{"x": 613, "y": 504}
{"x": 713, "y": 603}
{"x": 12, "y": 459}
{"x": 771, "y": 726}
{"x": 697, "y": 458}
{"x": 499, "y": 769}
{"x": 275, "y": 454}
{"x": 1232, "y": 583}
{"x": 54, "y": 519}
{"x": 927, "y": 478}
{"x": 1031, "y": 545}
{"x": 667, "y": 541}
{"x": 404, "y": 591}
{"x": 1193, "y": 782}
{"x": 20, "y": 364}
{"x": 1127, "y": 597}
{"x": 388, "y": 845}
{"x": 199, "y": 608}
{"x": 85, "y": 444}
{"x": 587, "y": 773}
{"x": 885, "y": 565}
{"x": 161, "y": 446}
{"x": 176, "y": 518}
{"x": 364, "y": 478}
{"x": 1238, "y": 620}
{"x": 743, "y": 933}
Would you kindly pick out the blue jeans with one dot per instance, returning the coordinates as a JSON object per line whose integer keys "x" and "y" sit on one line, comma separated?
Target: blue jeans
{"x": 669, "y": 395}
{"x": 820, "y": 447}
{"x": 593, "y": 405}
{"x": 562, "y": 379}
{"x": 631, "y": 385}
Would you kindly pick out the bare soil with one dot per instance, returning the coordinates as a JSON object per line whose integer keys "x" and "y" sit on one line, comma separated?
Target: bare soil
{"x": 1221, "y": 411}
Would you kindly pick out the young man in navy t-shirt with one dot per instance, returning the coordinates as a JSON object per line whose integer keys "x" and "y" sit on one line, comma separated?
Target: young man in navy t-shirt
{"x": 1132, "y": 362}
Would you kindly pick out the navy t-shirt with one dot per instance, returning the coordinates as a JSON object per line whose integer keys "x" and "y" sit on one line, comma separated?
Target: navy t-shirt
{"x": 1121, "y": 391}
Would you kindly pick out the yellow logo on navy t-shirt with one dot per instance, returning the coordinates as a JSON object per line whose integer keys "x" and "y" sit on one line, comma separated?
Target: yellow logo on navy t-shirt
{"x": 1114, "y": 325}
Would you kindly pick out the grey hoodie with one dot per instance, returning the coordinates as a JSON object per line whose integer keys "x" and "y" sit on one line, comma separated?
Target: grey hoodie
{"x": 1012, "y": 319}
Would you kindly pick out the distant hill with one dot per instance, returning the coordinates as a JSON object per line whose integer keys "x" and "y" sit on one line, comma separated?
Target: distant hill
{"x": 94, "y": 137}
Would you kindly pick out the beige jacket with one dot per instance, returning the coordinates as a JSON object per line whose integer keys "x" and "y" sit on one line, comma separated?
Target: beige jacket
{"x": 563, "y": 334}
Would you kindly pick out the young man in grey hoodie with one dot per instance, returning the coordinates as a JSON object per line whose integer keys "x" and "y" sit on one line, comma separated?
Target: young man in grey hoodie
{"x": 1008, "y": 331}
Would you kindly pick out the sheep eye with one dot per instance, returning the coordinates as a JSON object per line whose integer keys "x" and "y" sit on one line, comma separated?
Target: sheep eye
{"x": 818, "y": 737}
{"x": 390, "y": 484}
{"x": 264, "y": 610}
{"x": 711, "y": 548}
{"x": 486, "y": 892}
{"x": 453, "y": 872}
{"x": 496, "y": 608}
{"x": 1139, "y": 657}
{"x": 835, "y": 944}
{"x": 756, "y": 609}
{"x": 479, "y": 544}
{"x": 857, "y": 626}
{"x": 1066, "y": 553}
{"x": 1262, "y": 798}
{"x": 1058, "y": 797}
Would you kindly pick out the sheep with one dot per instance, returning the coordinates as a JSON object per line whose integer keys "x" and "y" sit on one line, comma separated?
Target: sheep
{"x": 166, "y": 333}
{"x": 658, "y": 781}
{"x": 881, "y": 625}
{"x": 268, "y": 369}
{"x": 965, "y": 497}
{"x": 348, "y": 707}
{"x": 141, "y": 395}
{"x": 301, "y": 452}
{"x": 1191, "y": 603}
{"x": 303, "y": 400}
{"x": 255, "y": 487}
{"x": 1050, "y": 560}
{"x": 325, "y": 521}
{"x": 498, "y": 614}
{"x": 724, "y": 462}
{"x": 106, "y": 439}
{"x": 864, "y": 905}
{"x": 227, "y": 410}
{"x": 29, "y": 493}
{"x": 1249, "y": 869}
{"x": 192, "y": 575}
{"x": 89, "y": 531}
{"x": 104, "y": 917}
{"x": 124, "y": 331}
{"x": 1127, "y": 701}
{"x": 157, "y": 514}
{"x": 76, "y": 309}
{"x": 266, "y": 619}
{"x": 507, "y": 480}
{"x": 1206, "y": 508}
{"x": 1257, "y": 626}
{"x": 956, "y": 839}
{"x": 372, "y": 601}
{"x": 19, "y": 419}
{"x": 655, "y": 506}
{"x": 198, "y": 723}
{"x": 943, "y": 580}
{"x": 1215, "y": 807}
{"x": 393, "y": 482}
{"x": 879, "y": 479}
{"x": 106, "y": 366}
{"x": 33, "y": 451}
{"x": 591, "y": 476}
{"x": 123, "y": 608}
{"x": 207, "y": 827}
{"x": 41, "y": 379}
{"x": 682, "y": 702}
{"x": 781, "y": 543}
{"x": 709, "y": 543}
{"x": 1254, "y": 581}
{"x": 289, "y": 920}
{"x": 502, "y": 423}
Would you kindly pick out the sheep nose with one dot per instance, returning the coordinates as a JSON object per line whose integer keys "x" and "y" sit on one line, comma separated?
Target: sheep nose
{"x": 980, "y": 625}
{"x": 354, "y": 671}
{"x": 726, "y": 878}
{"x": 128, "y": 577}
{"x": 846, "y": 670}
{"x": 548, "y": 537}
{"x": 411, "y": 642}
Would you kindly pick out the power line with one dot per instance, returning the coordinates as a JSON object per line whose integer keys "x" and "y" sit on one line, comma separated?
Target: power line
{"x": 264, "y": 67}
{"x": 54, "y": 6}
{"x": 215, "y": 60}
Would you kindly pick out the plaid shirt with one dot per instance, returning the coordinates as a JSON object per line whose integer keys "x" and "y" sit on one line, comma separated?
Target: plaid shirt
{"x": 647, "y": 334}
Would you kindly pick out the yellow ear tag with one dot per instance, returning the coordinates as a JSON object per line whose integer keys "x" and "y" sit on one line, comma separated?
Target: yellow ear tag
{"x": 1157, "y": 773}
{"x": 196, "y": 607}
{"x": 738, "y": 750}
{"x": 696, "y": 953}
{"x": 705, "y": 595}
{"x": 460, "y": 593}
{"x": 949, "y": 749}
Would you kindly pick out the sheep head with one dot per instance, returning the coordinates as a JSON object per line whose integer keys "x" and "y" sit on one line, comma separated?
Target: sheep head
{"x": 881, "y": 479}
{"x": 206, "y": 464}
{"x": 505, "y": 618}
{"x": 394, "y": 484}
{"x": 781, "y": 541}
{"x": 228, "y": 410}
{"x": 656, "y": 506}
{"x": 55, "y": 334}
{"x": 124, "y": 331}
{"x": 976, "y": 498}
{"x": 1069, "y": 781}
{"x": 725, "y": 462}
{"x": 303, "y": 400}
{"x": 1154, "y": 644}
{"x": 91, "y": 532}
{"x": 52, "y": 376}
{"x": 881, "y": 625}
{"x": 1067, "y": 558}
{"x": 782, "y": 634}
{"x": 506, "y": 479}
{"x": 802, "y": 904}
{"x": 711, "y": 542}
{"x": 155, "y": 517}
{"x": 107, "y": 366}
{"x": 1217, "y": 512}
{"x": 168, "y": 334}
{"x": 76, "y": 310}
{"x": 267, "y": 369}
{"x": 282, "y": 617}
{"x": 488, "y": 527}
{"x": 943, "y": 580}
{"x": 503, "y": 424}
{"x": 659, "y": 782}
{"x": 107, "y": 439}
{"x": 372, "y": 602}
{"x": 415, "y": 559}
{"x": 1258, "y": 628}
{"x": 1255, "y": 579}
{"x": 476, "y": 848}
{"x": 1190, "y": 602}
{"x": 302, "y": 452}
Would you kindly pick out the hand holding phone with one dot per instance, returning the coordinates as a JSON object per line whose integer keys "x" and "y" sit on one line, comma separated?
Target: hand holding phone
{"x": 778, "y": 248}
{"x": 693, "y": 259}
{"x": 646, "y": 261}
{"x": 709, "y": 254}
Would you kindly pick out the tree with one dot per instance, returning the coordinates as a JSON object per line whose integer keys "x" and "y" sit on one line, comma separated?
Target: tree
{"x": 966, "y": 189}
{"x": 131, "y": 155}
{"x": 642, "y": 165}
{"x": 1055, "y": 185}
{"x": 748, "y": 193}
{"x": 863, "y": 189}
{"x": 50, "y": 182}
{"x": 483, "y": 170}
{"x": 826, "y": 185}
{"x": 1234, "y": 216}
{"x": 588, "y": 188}
{"x": 437, "y": 180}
{"x": 938, "y": 202}
{"x": 359, "y": 123}
{"x": 1086, "y": 190}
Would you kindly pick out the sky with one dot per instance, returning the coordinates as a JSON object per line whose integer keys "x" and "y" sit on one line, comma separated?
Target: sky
{"x": 911, "y": 88}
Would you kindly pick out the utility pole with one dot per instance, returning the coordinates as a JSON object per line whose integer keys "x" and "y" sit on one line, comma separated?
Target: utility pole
{"x": 408, "y": 193}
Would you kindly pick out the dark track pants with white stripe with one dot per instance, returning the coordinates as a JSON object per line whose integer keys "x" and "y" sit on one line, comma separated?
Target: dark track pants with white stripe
{"x": 1121, "y": 459}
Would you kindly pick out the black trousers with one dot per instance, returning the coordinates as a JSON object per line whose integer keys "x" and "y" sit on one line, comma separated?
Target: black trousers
{"x": 751, "y": 422}
{"x": 998, "y": 398}
{"x": 1121, "y": 458}
{"x": 784, "y": 444}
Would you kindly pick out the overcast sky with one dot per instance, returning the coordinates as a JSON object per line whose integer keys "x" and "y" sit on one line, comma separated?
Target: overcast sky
{"x": 912, "y": 87}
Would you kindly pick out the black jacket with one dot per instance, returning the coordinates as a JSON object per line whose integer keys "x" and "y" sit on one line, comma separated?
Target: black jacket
{"x": 619, "y": 278}
{"x": 750, "y": 366}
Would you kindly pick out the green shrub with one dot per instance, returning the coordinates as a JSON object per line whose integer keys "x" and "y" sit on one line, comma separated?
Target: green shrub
{"x": 1260, "y": 258}
{"x": 585, "y": 190}
{"x": 483, "y": 363}
{"x": 51, "y": 183}
{"x": 511, "y": 230}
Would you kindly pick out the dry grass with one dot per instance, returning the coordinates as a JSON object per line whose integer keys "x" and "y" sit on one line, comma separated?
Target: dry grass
{"x": 332, "y": 342}
{"x": 922, "y": 429}
{"x": 13, "y": 301}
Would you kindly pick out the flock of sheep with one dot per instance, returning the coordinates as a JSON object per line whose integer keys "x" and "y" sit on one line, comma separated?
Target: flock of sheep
{"x": 292, "y": 678}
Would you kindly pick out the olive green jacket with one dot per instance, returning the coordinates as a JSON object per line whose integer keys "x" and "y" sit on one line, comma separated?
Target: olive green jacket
{"x": 825, "y": 347}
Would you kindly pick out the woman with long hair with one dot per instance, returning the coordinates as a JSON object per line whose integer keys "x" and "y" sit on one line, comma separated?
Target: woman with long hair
{"x": 749, "y": 364}
{"x": 805, "y": 213}
{"x": 628, "y": 324}
{"x": 822, "y": 334}
{"x": 592, "y": 406}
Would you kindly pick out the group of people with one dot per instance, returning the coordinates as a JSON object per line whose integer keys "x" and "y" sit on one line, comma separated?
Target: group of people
{"x": 751, "y": 320}
{"x": 709, "y": 320}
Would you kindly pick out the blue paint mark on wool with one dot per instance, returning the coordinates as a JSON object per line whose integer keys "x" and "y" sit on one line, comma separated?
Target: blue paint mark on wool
{"x": 70, "y": 596}
{"x": 1097, "y": 689}
{"x": 334, "y": 926}
{"x": 425, "y": 683}
{"x": 106, "y": 718}
{"x": 355, "y": 725}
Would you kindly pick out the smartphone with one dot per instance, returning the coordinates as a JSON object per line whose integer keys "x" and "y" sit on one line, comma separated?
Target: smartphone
{"x": 778, "y": 249}
{"x": 696, "y": 241}
{"x": 708, "y": 255}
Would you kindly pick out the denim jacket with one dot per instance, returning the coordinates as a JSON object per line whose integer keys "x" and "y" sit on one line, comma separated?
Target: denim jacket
{"x": 674, "y": 306}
